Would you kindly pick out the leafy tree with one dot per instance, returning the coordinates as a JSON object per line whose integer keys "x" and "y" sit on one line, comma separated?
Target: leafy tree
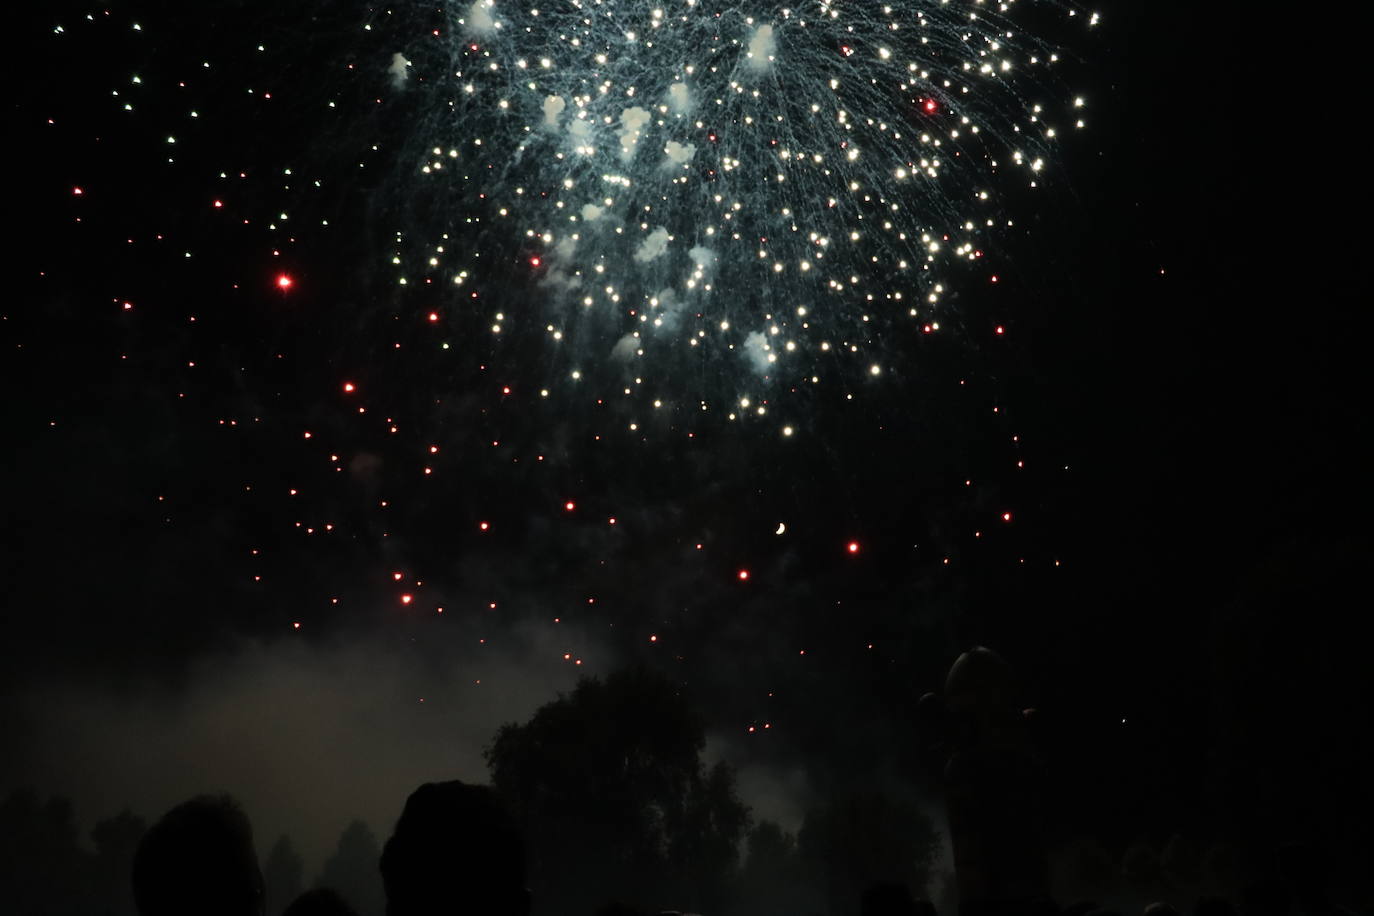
{"x": 282, "y": 874}
{"x": 43, "y": 868}
{"x": 352, "y": 870}
{"x": 116, "y": 840}
{"x": 862, "y": 838}
{"x": 774, "y": 880}
{"x": 772, "y": 851}
{"x": 706, "y": 845}
{"x": 610, "y": 786}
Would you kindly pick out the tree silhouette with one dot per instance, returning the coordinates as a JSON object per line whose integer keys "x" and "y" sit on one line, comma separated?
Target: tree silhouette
{"x": 706, "y": 845}
{"x": 609, "y": 784}
{"x": 352, "y": 870}
{"x": 116, "y": 840}
{"x": 864, "y": 838}
{"x": 774, "y": 881}
{"x": 43, "y": 868}
{"x": 282, "y": 874}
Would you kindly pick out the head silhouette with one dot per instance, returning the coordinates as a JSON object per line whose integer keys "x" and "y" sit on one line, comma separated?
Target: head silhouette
{"x": 455, "y": 851}
{"x": 199, "y": 859}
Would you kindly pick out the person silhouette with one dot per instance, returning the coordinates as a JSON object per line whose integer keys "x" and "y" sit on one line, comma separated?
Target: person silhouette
{"x": 993, "y": 787}
{"x": 199, "y": 858}
{"x": 455, "y": 850}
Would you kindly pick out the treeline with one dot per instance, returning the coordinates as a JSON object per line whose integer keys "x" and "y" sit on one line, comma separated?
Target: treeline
{"x": 610, "y": 790}
{"x": 48, "y": 867}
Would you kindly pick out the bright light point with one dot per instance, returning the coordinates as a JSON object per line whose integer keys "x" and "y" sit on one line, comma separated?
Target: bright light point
{"x": 284, "y": 281}
{"x": 1006, "y": 516}
{"x": 569, "y": 505}
{"x": 743, "y": 575}
{"x": 852, "y": 547}
{"x": 484, "y": 525}
{"x": 406, "y": 599}
{"x": 349, "y": 388}
{"x": 782, "y": 528}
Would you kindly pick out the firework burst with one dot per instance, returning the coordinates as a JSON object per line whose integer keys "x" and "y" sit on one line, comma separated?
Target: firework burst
{"x": 697, "y": 203}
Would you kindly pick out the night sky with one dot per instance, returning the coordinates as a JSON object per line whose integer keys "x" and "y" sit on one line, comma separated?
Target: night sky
{"x": 281, "y": 526}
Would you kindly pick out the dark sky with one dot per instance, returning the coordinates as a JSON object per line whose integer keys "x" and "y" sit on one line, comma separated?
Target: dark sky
{"x": 1179, "y": 367}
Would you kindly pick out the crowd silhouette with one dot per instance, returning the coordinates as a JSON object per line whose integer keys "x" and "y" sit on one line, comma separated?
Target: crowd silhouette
{"x": 461, "y": 849}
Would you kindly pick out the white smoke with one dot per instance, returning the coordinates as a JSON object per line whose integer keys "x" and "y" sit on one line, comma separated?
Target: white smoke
{"x": 761, "y": 48}
{"x": 653, "y": 245}
{"x": 626, "y": 348}
{"x": 758, "y": 353}
{"x": 398, "y": 70}
{"x": 481, "y": 18}
{"x": 632, "y": 122}
{"x": 679, "y": 153}
{"x": 679, "y": 98}
{"x": 553, "y": 110}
